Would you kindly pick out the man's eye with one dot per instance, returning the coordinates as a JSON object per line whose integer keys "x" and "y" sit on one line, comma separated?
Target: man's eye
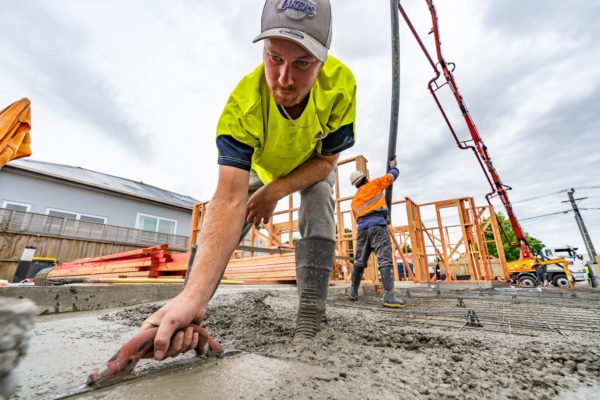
{"x": 275, "y": 58}
{"x": 302, "y": 63}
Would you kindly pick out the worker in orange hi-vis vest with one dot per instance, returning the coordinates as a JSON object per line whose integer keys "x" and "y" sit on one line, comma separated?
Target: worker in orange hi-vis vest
{"x": 370, "y": 211}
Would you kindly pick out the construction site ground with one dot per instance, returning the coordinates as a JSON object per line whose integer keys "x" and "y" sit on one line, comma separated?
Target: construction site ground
{"x": 532, "y": 345}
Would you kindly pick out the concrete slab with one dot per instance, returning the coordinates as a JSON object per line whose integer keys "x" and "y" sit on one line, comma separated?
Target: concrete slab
{"x": 70, "y": 298}
{"x": 363, "y": 351}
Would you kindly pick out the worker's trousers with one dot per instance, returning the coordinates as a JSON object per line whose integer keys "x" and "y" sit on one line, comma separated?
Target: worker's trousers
{"x": 373, "y": 238}
{"x": 316, "y": 216}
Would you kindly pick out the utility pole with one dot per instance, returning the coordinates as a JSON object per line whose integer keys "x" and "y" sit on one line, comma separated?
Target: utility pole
{"x": 584, "y": 233}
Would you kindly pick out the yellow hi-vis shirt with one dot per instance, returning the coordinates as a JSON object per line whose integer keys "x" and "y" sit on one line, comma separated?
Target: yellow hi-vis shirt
{"x": 252, "y": 133}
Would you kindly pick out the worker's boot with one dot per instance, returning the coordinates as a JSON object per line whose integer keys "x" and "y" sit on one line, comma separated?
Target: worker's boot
{"x": 314, "y": 259}
{"x": 389, "y": 298}
{"x": 352, "y": 291}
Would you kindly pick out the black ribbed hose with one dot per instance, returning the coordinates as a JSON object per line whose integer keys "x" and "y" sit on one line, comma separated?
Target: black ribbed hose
{"x": 395, "y": 104}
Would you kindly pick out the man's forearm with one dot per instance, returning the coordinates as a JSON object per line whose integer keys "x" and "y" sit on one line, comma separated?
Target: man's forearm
{"x": 312, "y": 171}
{"x": 220, "y": 234}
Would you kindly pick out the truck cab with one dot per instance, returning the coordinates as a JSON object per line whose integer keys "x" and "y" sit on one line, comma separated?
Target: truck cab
{"x": 574, "y": 260}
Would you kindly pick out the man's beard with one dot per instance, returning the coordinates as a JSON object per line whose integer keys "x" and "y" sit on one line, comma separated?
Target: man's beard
{"x": 286, "y": 96}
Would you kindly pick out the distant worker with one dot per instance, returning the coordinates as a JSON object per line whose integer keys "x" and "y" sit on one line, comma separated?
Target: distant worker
{"x": 438, "y": 272}
{"x": 370, "y": 211}
{"x": 542, "y": 274}
{"x": 587, "y": 271}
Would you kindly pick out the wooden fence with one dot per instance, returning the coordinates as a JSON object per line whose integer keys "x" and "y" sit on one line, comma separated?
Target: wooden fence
{"x": 67, "y": 239}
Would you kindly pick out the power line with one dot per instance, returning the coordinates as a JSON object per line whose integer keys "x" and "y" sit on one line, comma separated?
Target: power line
{"x": 541, "y": 196}
{"x": 542, "y": 220}
{"x": 580, "y": 188}
{"x": 556, "y": 213}
{"x": 546, "y": 215}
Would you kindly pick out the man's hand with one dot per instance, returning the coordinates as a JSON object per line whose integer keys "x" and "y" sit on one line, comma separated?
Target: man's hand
{"x": 261, "y": 205}
{"x": 178, "y": 313}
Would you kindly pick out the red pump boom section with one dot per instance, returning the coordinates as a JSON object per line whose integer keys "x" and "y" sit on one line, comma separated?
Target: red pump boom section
{"x": 475, "y": 143}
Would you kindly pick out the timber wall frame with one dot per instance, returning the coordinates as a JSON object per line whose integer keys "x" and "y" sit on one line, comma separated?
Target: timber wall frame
{"x": 456, "y": 236}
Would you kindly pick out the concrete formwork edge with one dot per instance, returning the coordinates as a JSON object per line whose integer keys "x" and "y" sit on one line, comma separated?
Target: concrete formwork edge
{"x": 58, "y": 299}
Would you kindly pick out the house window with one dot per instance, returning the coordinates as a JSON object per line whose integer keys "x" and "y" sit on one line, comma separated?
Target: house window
{"x": 166, "y": 226}
{"x": 95, "y": 220}
{"x": 156, "y": 224}
{"x": 77, "y": 216}
{"x": 61, "y": 214}
{"x": 12, "y": 205}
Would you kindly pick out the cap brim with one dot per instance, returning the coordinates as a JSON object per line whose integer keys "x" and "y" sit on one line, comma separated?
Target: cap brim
{"x": 311, "y": 44}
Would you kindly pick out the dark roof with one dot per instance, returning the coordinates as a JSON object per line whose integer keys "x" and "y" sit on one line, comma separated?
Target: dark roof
{"x": 104, "y": 181}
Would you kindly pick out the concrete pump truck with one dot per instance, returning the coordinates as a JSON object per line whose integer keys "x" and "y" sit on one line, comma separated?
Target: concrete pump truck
{"x": 522, "y": 271}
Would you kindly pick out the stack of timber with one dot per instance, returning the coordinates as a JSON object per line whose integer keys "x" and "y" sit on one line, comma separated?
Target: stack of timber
{"x": 153, "y": 264}
{"x": 158, "y": 265}
{"x": 271, "y": 269}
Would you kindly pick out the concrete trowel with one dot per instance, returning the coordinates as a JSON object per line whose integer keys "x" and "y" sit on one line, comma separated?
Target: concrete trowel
{"x": 121, "y": 365}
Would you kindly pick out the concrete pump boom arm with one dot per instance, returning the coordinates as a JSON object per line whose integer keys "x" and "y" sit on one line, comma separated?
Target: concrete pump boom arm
{"x": 475, "y": 143}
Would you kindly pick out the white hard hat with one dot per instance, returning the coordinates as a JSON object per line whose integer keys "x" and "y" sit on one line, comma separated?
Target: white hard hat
{"x": 356, "y": 177}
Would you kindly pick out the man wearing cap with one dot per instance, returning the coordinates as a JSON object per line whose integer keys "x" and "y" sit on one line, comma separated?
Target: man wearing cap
{"x": 281, "y": 132}
{"x": 370, "y": 211}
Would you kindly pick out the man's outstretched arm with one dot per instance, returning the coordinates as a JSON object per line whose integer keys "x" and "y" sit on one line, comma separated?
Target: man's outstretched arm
{"x": 263, "y": 201}
{"x": 218, "y": 238}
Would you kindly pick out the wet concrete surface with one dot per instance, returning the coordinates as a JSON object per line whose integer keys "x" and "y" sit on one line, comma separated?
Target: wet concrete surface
{"x": 241, "y": 376}
{"x": 63, "y": 350}
{"x": 362, "y": 352}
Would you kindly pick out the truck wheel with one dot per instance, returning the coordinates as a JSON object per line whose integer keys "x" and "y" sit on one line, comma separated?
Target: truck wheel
{"x": 528, "y": 281}
{"x": 560, "y": 281}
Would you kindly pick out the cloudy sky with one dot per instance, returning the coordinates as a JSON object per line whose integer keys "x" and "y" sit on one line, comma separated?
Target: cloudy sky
{"x": 135, "y": 89}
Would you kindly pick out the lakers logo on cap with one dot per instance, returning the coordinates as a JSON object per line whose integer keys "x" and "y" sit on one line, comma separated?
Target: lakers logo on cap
{"x": 292, "y": 33}
{"x": 298, "y": 9}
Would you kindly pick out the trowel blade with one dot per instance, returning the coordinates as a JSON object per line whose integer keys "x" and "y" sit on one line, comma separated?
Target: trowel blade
{"x": 74, "y": 391}
{"x": 81, "y": 389}
{"x": 229, "y": 353}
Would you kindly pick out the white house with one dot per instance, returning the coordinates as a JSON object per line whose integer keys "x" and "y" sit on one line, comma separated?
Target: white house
{"x": 80, "y": 194}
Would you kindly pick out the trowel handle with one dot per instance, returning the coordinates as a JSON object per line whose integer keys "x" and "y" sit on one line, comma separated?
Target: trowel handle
{"x": 207, "y": 346}
{"x": 127, "y": 357}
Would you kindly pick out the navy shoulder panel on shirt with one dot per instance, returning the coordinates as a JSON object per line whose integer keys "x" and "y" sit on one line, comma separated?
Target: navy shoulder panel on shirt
{"x": 338, "y": 141}
{"x": 234, "y": 153}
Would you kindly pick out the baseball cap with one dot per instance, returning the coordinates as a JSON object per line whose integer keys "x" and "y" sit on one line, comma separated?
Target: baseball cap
{"x": 306, "y": 22}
